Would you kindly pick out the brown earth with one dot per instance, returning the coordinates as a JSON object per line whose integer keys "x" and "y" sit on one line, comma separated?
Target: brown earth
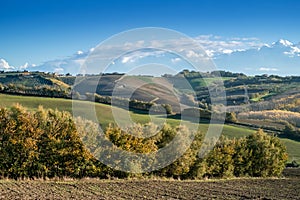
{"x": 247, "y": 188}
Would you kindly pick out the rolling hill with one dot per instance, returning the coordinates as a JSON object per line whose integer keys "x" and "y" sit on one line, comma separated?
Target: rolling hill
{"x": 260, "y": 94}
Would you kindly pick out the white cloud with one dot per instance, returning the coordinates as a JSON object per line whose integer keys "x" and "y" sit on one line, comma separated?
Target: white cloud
{"x": 137, "y": 55}
{"x": 216, "y": 45}
{"x": 210, "y": 53}
{"x": 25, "y": 66}
{"x": 285, "y": 42}
{"x": 245, "y": 38}
{"x": 59, "y": 70}
{"x": 193, "y": 54}
{"x": 227, "y": 51}
{"x": 294, "y": 51}
{"x": 5, "y": 66}
{"x": 175, "y": 60}
{"x": 79, "y": 52}
{"x": 125, "y": 59}
{"x": 268, "y": 69}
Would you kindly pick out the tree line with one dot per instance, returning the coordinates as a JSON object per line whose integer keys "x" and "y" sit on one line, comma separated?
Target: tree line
{"x": 49, "y": 143}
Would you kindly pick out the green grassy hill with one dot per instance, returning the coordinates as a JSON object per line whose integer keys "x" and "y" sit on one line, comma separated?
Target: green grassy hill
{"x": 103, "y": 111}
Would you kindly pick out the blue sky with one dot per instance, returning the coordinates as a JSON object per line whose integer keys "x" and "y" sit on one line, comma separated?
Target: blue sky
{"x": 36, "y": 31}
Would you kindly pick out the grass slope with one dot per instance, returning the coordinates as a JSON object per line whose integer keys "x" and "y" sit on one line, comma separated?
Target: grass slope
{"x": 293, "y": 148}
{"x": 103, "y": 112}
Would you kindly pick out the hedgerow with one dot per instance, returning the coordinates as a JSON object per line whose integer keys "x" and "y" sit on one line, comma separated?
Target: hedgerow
{"x": 49, "y": 143}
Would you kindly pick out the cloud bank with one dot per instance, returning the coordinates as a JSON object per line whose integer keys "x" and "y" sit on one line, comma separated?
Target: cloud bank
{"x": 247, "y": 55}
{"x": 5, "y": 66}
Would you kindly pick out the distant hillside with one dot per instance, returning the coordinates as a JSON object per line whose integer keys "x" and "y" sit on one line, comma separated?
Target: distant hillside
{"x": 243, "y": 93}
{"x": 240, "y": 89}
{"x": 33, "y": 84}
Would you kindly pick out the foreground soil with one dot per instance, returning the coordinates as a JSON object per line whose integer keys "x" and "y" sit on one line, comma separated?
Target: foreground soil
{"x": 283, "y": 188}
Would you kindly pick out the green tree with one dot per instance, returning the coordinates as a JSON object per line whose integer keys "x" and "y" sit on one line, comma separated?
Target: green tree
{"x": 19, "y": 134}
{"x": 41, "y": 144}
{"x": 266, "y": 155}
{"x": 220, "y": 161}
{"x": 168, "y": 108}
{"x": 231, "y": 117}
